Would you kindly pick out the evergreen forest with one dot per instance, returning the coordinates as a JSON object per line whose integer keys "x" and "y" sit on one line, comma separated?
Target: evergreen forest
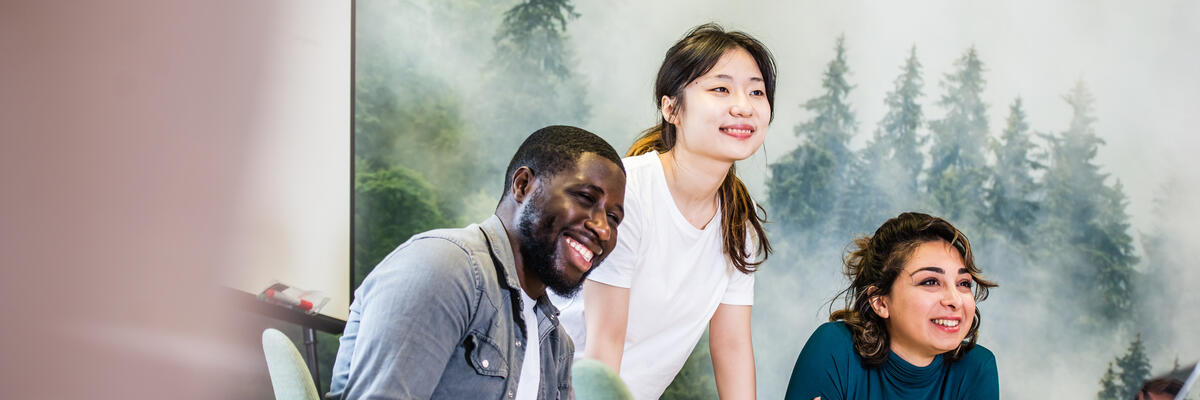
{"x": 1047, "y": 220}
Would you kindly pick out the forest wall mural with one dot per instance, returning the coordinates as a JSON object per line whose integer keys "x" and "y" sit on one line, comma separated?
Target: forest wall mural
{"x": 1060, "y": 137}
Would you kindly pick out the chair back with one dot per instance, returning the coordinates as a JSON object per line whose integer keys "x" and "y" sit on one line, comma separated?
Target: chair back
{"x": 593, "y": 380}
{"x": 289, "y": 373}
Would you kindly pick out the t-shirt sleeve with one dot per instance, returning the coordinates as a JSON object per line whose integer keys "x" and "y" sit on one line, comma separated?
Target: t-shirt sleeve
{"x": 740, "y": 291}
{"x": 824, "y": 365}
{"x": 620, "y": 266}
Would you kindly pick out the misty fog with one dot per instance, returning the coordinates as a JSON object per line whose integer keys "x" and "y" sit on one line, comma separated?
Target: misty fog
{"x": 439, "y": 67}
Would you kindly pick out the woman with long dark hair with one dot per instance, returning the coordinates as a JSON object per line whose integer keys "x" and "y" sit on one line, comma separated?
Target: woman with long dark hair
{"x": 692, "y": 237}
{"x": 910, "y": 323}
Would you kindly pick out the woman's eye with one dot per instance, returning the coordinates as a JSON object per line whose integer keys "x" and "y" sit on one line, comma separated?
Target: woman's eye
{"x": 720, "y": 89}
{"x": 966, "y": 284}
{"x": 757, "y": 93}
{"x": 929, "y": 282}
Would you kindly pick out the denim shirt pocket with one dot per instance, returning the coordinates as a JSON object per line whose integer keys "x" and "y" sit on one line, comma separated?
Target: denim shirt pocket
{"x": 485, "y": 356}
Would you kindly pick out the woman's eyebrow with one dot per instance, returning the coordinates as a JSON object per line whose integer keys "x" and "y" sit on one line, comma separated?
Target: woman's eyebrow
{"x": 931, "y": 269}
{"x": 730, "y": 78}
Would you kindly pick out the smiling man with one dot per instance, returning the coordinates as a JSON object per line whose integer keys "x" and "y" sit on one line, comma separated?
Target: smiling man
{"x": 463, "y": 313}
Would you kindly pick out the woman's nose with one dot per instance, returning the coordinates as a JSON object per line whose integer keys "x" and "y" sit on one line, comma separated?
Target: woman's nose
{"x": 741, "y": 106}
{"x": 952, "y": 298}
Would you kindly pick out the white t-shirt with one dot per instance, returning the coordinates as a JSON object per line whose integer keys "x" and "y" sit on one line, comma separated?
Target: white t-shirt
{"x": 677, "y": 275}
{"x": 531, "y": 368}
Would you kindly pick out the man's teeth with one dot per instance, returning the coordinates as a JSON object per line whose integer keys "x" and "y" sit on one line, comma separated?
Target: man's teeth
{"x": 946, "y": 322}
{"x": 583, "y": 251}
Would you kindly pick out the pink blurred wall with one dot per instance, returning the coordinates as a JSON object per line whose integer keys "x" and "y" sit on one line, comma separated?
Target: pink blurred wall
{"x": 124, "y": 125}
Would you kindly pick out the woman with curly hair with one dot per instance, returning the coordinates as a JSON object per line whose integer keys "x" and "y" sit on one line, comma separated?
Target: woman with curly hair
{"x": 909, "y": 327}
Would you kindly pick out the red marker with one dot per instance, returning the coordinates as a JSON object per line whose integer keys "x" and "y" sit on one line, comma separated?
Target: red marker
{"x": 283, "y": 297}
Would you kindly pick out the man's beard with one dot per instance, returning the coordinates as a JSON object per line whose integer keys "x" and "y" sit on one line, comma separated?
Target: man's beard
{"x": 538, "y": 251}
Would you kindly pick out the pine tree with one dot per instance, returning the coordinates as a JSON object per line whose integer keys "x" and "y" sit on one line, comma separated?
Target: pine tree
{"x": 957, "y": 172}
{"x": 799, "y": 189}
{"x": 1010, "y": 197}
{"x": 1087, "y": 218}
{"x": 530, "y": 83}
{"x": 883, "y": 176}
{"x": 390, "y": 205}
{"x": 899, "y": 128}
{"x": 1135, "y": 368}
{"x": 533, "y": 34}
{"x": 866, "y": 200}
{"x": 1110, "y": 389}
{"x": 406, "y": 115}
{"x": 805, "y": 184}
{"x": 833, "y": 124}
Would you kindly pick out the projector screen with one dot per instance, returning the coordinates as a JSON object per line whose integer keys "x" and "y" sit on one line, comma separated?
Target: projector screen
{"x": 294, "y": 199}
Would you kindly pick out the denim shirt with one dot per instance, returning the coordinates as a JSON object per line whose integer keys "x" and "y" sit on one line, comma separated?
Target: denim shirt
{"x": 440, "y": 317}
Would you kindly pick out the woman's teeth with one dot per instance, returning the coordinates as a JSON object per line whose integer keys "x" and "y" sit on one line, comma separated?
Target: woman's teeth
{"x": 946, "y": 322}
{"x": 737, "y": 131}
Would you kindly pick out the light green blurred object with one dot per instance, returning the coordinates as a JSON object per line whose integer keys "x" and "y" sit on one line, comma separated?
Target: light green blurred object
{"x": 595, "y": 381}
{"x": 289, "y": 373}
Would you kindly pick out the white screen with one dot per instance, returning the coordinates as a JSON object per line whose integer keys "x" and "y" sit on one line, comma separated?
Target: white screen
{"x": 294, "y": 200}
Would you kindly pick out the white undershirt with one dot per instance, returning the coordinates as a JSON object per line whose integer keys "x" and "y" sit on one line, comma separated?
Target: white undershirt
{"x": 677, "y": 276}
{"x": 530, "y": 381}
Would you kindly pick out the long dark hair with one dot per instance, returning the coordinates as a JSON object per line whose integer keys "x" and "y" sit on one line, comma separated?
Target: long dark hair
{"x": 874, "y": 265}
{"x": 690, "y": 58}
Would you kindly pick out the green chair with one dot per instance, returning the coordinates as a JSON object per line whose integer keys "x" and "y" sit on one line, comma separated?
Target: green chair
{"x": 289, "y": 373}
{"x": 595, "y": 381}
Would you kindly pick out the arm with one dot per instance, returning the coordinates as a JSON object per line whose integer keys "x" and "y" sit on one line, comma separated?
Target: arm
{"x": 732, "y": 352}
{"x": 415, "y": 308}
{"x": 606, "y": 310}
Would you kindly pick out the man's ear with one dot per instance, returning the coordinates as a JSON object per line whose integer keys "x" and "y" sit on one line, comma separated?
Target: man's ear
{"x": 523, "y": 184}
{"x": 670, "y": 110}
{"x": 878, "y": 303}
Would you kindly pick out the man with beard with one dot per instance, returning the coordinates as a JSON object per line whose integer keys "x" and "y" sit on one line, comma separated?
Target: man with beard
{"x": 463, "y": 313}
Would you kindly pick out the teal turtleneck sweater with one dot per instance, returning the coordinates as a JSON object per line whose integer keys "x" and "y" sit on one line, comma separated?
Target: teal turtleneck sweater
{"x": 830, "y": 368}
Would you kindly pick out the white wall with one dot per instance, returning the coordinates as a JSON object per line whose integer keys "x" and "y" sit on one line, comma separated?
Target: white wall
{"x": 293, "y": 216}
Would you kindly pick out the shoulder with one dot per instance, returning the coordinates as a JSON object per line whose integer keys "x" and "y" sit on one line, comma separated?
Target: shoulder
{"x": 829, "y": 342}
{"x": 978, "y": 355}
{"x": 827, "y": 366}
{"x": 640, "y": 162}
{"x": 975, "y": 375}
{"x": 641, "y": 171}
{"x": 832, "y": 333}
{"x": 643, "y": 187}
{"x": 444, "y": 255}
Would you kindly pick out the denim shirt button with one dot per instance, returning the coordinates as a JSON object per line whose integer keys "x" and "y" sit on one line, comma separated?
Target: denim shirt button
{"x": 484, "y": 363}
{"x": 510, "y": 394}
{"x": 518, "y": 343}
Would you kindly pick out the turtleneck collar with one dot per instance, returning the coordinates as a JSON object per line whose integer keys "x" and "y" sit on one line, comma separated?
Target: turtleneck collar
{"x": 912, "y": 375}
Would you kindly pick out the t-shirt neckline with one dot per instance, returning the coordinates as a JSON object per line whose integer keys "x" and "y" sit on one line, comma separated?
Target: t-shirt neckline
{"x": 677, "y": 215}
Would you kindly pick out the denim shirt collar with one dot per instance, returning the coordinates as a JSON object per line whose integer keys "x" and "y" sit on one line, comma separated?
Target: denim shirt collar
{"x": 502, "y": 250}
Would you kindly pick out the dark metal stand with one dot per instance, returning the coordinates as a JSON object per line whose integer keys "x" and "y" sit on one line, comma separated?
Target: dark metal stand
{"x": 309, "y": 323}
{"x": 314, "y": 368}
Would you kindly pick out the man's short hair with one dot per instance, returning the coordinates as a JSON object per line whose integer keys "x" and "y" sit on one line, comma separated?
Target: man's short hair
{"x": 554, "y": 148}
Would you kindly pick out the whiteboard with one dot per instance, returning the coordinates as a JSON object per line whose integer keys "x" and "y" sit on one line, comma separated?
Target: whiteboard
{"x": 293, "y": 201}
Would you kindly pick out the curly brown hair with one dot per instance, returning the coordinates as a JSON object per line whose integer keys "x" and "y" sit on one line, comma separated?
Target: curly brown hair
{"x": 875, "y": 263}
